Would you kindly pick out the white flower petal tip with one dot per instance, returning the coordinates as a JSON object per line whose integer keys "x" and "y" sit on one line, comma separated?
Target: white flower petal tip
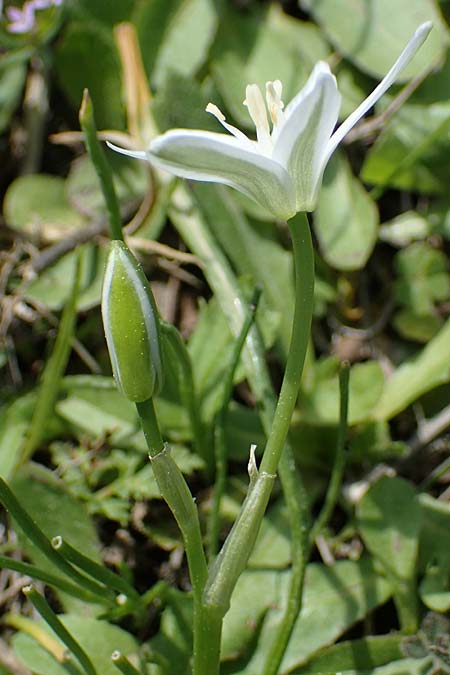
{"x": 405, "y": 57}
{"x": 136, "y": 154}
{"x": 282, "y": 169}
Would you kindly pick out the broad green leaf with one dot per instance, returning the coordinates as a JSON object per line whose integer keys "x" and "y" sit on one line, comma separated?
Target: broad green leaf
{"x": 106, "y": 12}
{"x": 335, "y": 598}
{"x": 152, "y": 20}
{"x": 83, "y": 187}
{"x": 37, "y": 205}
{"x": 93, "y": 405}
{"x": 321, "y": 404}
{"x": 412, "y": 151}
{"x": 389, "y": 522}
{"x": 418, "y": 327}
{"x": 13, "y": 72}
{"x": 57, "y": 512}
{"x": 262, "y": 46}
{"x": 253, "y": 250}
{"x": 372, "y": 34}
{"x": 86, "y": 57}
{"x": 52, "y": 286}
{"x": 272, "y": 549}
{"x": 346, "y": 218}
{"x": 187, "y": 39}
{"x": 363, "y": 654}
{"x": 435, "y": 589}
{"x": 423, "y": 278}
{"x": 434, "y": 534}
{"x": 98, "y": 638}
{"x": 414, "y": 378}
{"x": 14, "y": 422}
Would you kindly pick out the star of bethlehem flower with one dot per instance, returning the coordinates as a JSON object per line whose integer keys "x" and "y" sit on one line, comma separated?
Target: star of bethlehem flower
{"x": 282, "y": 170}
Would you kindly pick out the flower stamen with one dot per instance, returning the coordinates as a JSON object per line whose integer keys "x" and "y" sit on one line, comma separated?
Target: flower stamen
{"x": 274, "y": 103}
{"x": 257, "y": 109}
{"x": 218, "y": 114}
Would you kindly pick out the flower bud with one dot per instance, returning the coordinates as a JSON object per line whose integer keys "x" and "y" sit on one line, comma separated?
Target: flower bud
{"x": 131, "y": 325}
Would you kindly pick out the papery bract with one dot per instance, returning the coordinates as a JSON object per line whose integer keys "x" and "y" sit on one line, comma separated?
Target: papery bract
{"x": 282, "y": 170}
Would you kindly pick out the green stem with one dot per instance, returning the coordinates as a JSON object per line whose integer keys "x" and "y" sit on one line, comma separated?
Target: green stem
{"x": 48, "y": 578}
{"x": 61, "y": 631}
{"x": 98, "y": 572}
{"x": 339, "y": 459}
{"x": 175, "y": 491}
{"x": 301, "y": 328}
{"x": 187, "y": 390}
{"x": 101, "y": 166}
{"x": 123, "y": 664}
{"x": 228, "y": 292}
{"x": 219, "y": 444}
{"x": 36, "y": 535}
{"x": 239, "y": 544}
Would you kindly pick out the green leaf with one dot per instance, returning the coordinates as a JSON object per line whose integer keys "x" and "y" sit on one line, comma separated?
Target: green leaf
{"x": 37, "y": 205}
{"x": 83, "y": 187}
{"x": 13, "y": 70}
{"x": 346, "y": 219}
{"x": 335, "y": 598}
{"x": 104, "y": 11}
{"x": 434, "y": 546}
{"x": 423, "y": 278}
{"x": 363, "y": 654}
{"x": 86, "y": 57}
{"x": 435, "y": 589}
{"x": 14, "y": 423}
{"x": 389, "y": 522}
{"x": 272, "y": 548}
{"x": 372, "y": 34}
{"x": 98, "y": 638}
{"x": 259, "y": 46}
{"x": 414, "y": 378}
{"x": 187, "y": 39}
{"x": 56, "y": 512}
{"x": 320, "y": 404}
{"x": 418, "y": 327}
{"x": 254, "y": 250}
{"x": 93, "y": 405}
{"x": 52, "y": 286}
{"x": 412, "y": 151}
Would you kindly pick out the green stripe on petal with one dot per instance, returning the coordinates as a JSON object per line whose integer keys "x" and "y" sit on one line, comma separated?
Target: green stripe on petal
{"x": 212, "y": 157}
{"x": 301, "y": 142}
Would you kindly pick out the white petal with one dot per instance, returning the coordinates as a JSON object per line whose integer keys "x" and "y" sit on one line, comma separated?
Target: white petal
{"x": 301, "y": 141}
{"x": 136, "y": 154}
{"x": 405, "y": 57}
{"x": 207, "y": 156}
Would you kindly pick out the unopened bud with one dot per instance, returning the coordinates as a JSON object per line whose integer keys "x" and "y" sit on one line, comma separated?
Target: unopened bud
{"x": 131, "y": 324}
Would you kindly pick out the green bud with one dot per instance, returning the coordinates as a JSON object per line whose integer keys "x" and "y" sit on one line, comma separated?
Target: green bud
{"x": 131, "y": 324}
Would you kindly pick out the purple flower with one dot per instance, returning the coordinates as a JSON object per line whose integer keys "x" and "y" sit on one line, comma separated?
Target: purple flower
{"x": 20, "y": 20}
{"x": 23, "y": 20}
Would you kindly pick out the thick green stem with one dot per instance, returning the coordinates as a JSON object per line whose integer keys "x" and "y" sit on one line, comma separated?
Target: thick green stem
{"x": 226, "y": 289}
{"x": 301, "y": 328}
{"x": 239, "y": 544}
{"x": 175, "y": 491}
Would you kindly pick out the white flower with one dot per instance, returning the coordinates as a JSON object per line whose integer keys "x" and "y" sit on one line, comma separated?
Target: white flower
{"x": 282, "y": 170}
